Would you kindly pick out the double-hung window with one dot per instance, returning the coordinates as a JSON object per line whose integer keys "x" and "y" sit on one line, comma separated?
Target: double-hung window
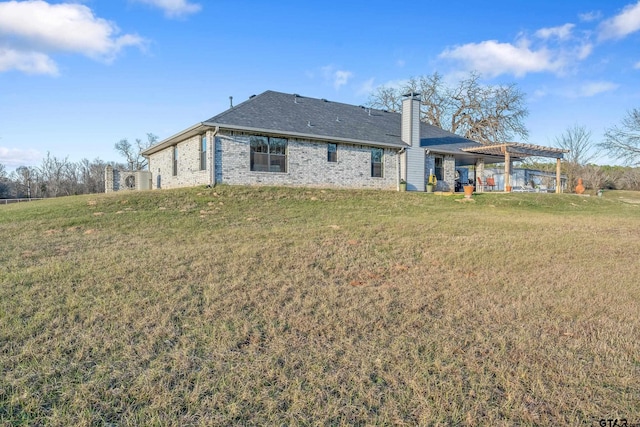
{"x": 438, "y": 163}
{"x": 376, "y": 162}
{"x": 268, "y": 154}
{"x": 203, "y": 153}
{"x": 175, "y": 160}
{"x": 332, "y": 153}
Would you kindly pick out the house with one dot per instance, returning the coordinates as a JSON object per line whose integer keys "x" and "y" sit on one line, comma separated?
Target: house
{"x": 286, "y": 139}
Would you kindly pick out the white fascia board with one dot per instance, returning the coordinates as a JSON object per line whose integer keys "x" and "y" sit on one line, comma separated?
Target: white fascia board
{"x": 174, "y": 139}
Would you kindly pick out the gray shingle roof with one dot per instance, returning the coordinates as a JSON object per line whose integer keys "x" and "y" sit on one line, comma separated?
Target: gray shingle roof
{"x": 289, "y": 114}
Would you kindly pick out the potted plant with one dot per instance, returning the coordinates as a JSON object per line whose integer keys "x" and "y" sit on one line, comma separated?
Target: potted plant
{"x": 403, "y": 185}
{"x": 431, "y": 183}
{"x": 468, "y": 191}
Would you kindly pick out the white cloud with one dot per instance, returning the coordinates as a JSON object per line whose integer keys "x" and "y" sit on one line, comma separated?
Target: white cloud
{"x": 15, "y": 157}
{"x": 174, "y": 8}
{"x": 637, "y": 65}
{"x": 590, "y": 16}
{"x": 492, "y": 58}
{"x": 367, "y": 87}
{"x": 401, "y": 63}
{"x": 584, "y": 51}
{"x": 36, "y": 29}
{"x": 27, "y": 62}
{"x": 594, "y": 88}
{"x": 621, "y": 25}
{"x": 552, "y": 50}
{"x": 337, "y": 78}
{"x": 341, "y": 78}
{"x": 539, "y": 93}
{"x": 562, "y": 32}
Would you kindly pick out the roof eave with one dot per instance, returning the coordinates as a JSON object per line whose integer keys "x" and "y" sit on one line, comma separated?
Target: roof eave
{"x": 180, "y": 136}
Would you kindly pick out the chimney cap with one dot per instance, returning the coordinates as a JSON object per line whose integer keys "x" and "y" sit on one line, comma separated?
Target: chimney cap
{"x": 412, "y": 95}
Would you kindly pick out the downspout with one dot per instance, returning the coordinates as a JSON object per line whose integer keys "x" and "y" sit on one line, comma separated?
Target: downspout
{"x": 212, "y": 177}
{"x": 398, "y": 161}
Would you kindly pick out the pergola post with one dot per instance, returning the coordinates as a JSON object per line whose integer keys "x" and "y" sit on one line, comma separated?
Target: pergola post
{"x": 558, "y": 182}
{"x": 507, "y": 170}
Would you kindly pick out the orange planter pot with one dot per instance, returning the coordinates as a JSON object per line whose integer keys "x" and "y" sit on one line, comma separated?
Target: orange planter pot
{"x": 468, "y": 191}
{"x": 508, "y": 189}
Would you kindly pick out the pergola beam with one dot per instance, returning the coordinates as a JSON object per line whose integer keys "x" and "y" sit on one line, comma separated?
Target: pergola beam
{"x": 518, "y": 150}
{"x": 525, "y": 152}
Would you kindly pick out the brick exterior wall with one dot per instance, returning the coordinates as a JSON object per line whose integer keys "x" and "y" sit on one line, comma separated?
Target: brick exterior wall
{"x": 448, "y": 181}
{"x": 307, "y": 165}
{"x": 189, "y": 173}
{"x": 449, "y": 171}
{"x": 479, "y": 173}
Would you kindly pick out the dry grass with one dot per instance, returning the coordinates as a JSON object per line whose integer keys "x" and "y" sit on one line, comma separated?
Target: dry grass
{"x": 276, "y": 306}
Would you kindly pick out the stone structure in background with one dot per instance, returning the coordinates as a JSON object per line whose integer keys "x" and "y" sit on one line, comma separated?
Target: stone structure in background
{"x": 118, "y": 180}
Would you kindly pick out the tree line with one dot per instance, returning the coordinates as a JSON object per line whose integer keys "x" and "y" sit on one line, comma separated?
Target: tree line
{"x": 61, "y": 177}
{"x": 54, "y": 177}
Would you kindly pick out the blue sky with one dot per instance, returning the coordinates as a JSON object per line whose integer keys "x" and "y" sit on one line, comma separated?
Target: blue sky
{"x": 78, "y": 76}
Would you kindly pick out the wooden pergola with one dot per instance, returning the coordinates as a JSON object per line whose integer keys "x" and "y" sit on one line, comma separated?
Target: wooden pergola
{"x": 520, "y": 150}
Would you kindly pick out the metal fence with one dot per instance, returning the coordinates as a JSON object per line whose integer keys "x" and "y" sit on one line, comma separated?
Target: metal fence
{"x": 7, "y": 201}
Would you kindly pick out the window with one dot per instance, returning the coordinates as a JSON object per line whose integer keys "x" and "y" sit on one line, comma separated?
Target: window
{"x": 203, "y": 153}
{"x": 438, "y": 167}
{"x": 332, "y": 153}
{"x": 376, "y": 162}
{"x": 175, "y": 160}
{"x": 268, "y": 154}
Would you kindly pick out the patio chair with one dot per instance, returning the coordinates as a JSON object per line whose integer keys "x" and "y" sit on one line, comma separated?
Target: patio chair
{"x": 480, "y": 186}
{"x": 490, "y": 182}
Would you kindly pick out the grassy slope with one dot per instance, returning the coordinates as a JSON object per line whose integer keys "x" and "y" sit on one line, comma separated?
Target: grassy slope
{"x": 291, "y": 306}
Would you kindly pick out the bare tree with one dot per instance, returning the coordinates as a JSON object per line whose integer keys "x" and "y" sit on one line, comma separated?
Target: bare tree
{"x": 92, "y": 175}
{"x": 594, "y": 176}
{"x": 623, "y": 141}
{"x": 25, "y": 179}
{"x": 52, "y": 172}
{"x": 5, "y": 183}
{"x": 133, "y": 152}
{"x": 486, "y": 114}
{"x": 630, "y": 179}
{"x": 576, "y": 139}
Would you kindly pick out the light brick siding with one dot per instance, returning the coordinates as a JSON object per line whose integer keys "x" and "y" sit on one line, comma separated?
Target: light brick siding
{"x": 307, "y": 165}
{"x": 449, "y": 170}
{"x": 189, "y": 173}
{"x": 479, "y": 173}
{"x": 448, "y": 181}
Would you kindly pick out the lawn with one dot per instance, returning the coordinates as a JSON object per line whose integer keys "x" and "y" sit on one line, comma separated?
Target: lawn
{"x": 289, "y": 306}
